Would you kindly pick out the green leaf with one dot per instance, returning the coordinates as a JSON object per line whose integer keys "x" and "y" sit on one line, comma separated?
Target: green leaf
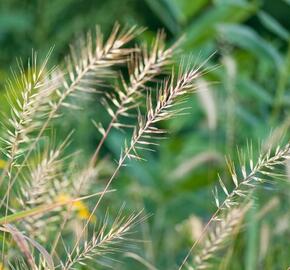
{"x": 273, "y": 25}
{"x": 251, "y": 88}
{"x": 185, "y": 9}
{"x": 164, "y": 15}
{"x": 15, "y": 21}
{"x": 246, "y": 38}
{"x": 204, "y": 28}
{"x": 223, "y": 2}
{"x": 244, "y": 114}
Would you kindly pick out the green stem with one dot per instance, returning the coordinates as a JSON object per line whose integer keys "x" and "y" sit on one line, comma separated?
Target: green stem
{"x": 252, "y": 239}
{"x": 282, "y": 84}
{"x": 44, "y": 208}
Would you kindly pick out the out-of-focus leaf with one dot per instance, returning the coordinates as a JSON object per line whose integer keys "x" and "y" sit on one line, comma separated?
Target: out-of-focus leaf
{"x": 15, "y": 22}
{"x": 164, "y": 15}
{"x": 185, "y": 9}
{"x": 193, "y": 163}
{"x": 252, "y": 240}
{"x": 226, "y": 2}
{"x": 208, "y": 103}
{"x": 251, "y": 88}
{"x": 174, "y": 10}
{"x": 204, "y": 28}
{"x": 273, "y": 25}
{"x": 247, "y": 116}
{"x": 248, "y": 39}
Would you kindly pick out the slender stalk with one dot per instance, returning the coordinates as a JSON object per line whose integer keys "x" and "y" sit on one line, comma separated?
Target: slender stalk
{"x": 264, "y": 162}
{"x": 152, "y": 65}
{"x": 219, "y": 234}
{"x": 282, "y": 84}
{"x": 45, "y": 208}
{"x": 99, "y": 59}
{"x": 107, "y": 237}
{"x": 167, "y": 96}
{"x": 19, "y": 119}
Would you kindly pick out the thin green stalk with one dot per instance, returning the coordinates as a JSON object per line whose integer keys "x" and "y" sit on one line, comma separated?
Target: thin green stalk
{"x": 281, "y": 86}
{"x": 252, "y": 241}
{"x": 45, "y": 208}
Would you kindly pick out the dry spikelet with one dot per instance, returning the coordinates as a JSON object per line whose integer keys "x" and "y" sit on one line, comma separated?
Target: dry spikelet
{"x": 22, "y": 244}
{"x": 282, "y": 225}
{"x": 195, "y": 162}
{"x": 38, "y": 182}
{"x": 144, "y": 66}
{"x": 106, "y": 241}
{"x": 84, "y": 67}
{"x": 141, "y": 260}
{"x": 277, "y": 135}
{"x": 26, "y": 117}
{"x": 90, "y": 60}
{"x": 41, "y": 186}
{"x": 93, "y": 58}
{"x": 208, "y": 102}
{"x": 217, "y": 237}
{"x": 270, "y": 206}
{"x": 22, "y": 241}
{"x": 171, "y": 93}
{"x": 29, "y": 110}
{"x": 251, "y": 175}
{"x": 82, "y": 183}
{"x": 265, "y": 236}
{"x": 192, "y": 226}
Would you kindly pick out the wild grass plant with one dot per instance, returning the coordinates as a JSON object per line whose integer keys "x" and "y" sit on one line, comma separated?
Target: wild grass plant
{"x": 51, "y": 200}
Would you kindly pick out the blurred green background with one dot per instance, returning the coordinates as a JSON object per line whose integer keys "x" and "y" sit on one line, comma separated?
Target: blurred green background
{"x": 244, "y": 99}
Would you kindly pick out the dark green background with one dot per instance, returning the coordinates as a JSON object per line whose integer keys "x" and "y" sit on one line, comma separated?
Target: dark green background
{"x": 250, "y": 89}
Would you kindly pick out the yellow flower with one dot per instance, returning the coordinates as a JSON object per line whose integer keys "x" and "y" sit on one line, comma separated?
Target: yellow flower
{"x": 2, "y": 166}
{"x": 82, "y": 210}
{"x": 79, "y": 206}
{"x": 63, "y": 198}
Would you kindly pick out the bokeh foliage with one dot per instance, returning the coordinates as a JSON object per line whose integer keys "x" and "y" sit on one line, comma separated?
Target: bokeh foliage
{"x": 246, "y": 99}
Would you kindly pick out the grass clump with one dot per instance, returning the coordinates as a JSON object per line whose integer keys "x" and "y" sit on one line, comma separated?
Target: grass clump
{"x": 51, "y": 207}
